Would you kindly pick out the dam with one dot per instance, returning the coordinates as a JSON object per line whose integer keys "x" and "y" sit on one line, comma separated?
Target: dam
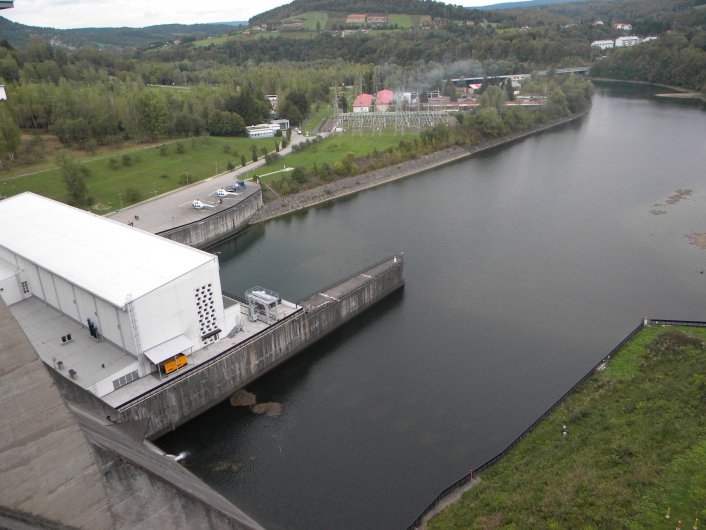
{"x": 135, "y": 334}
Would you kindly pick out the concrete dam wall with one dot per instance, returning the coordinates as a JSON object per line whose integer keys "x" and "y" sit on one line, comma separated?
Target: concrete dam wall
{"x": 206, "y": 385}
{"x": 216, "y": 227}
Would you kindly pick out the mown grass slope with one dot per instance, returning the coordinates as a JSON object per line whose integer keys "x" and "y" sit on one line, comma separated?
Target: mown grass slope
{"x": 636, "y": 448}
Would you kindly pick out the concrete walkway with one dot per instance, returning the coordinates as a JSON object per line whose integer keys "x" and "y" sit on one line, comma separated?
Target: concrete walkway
{"x": 447, "y": 501}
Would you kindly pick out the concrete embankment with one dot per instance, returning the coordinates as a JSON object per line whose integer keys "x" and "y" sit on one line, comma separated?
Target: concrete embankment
{"x": 206, "y": 385}
{"x": 65, "y": 468}
{"x": 356, "y": 183}
{"x": 216, "y": 227}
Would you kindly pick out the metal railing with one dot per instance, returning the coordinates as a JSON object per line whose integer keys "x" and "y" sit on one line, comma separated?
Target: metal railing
{"x": 485, "y": 465}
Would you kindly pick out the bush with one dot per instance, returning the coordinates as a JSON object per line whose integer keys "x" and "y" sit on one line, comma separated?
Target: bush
{"x": 113, "y": 163}
{"x": 298, "y": 175}
{"x": 132, "y": 195}
{"x": 127, "y": 160}
{"x": 271, "y": 158}
{"x": 163, "y": 150}
{"x": 180, "y": 148}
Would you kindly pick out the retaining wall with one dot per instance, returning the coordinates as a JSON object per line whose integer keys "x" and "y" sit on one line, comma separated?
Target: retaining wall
{"x": 206, "y": 385}
{"x": 216, "y": 227}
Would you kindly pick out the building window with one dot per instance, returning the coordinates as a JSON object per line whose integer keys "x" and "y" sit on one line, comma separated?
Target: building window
{"x": 25, "y": 288}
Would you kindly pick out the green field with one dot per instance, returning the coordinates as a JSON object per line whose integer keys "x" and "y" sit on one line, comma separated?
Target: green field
{"x": 216, "y": 41}
{"x": 335, "y": 147}
{"x": 311, "y": 18}
{"x": 314, "y": 119}
{"x": 143, "y": 170}
{"x": 635, "y": 448}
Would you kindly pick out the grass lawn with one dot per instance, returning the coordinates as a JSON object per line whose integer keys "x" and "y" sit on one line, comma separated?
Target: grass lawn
{"x": 213, "y": 40}
{"x": 402, "y": 21}
{"x": 335, "y": 147}
{"x": 636, "y": 447}
{"x": 143, "y": 170}
{"x": 311, "y": 18}
{"x": 315, "y": 118}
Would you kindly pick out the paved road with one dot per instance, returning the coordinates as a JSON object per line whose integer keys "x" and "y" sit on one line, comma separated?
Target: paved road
{"x": 174, "y": 208}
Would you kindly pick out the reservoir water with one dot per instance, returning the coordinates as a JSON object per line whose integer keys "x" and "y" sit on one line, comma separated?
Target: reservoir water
{"x": 525, "y": 265}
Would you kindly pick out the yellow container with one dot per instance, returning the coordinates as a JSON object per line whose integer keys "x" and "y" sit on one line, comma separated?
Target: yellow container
{"x": 174, "y": 363}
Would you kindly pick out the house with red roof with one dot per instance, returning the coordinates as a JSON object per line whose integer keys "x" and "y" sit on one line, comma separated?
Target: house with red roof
{"x": 362, "y": 103}
{"x": 383, "y": 100}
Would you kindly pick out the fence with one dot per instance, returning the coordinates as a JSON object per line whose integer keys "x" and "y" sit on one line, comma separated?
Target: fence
{"x": 469, "y": 476}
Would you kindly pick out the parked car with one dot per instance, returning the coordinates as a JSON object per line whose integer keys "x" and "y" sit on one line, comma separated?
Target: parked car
{"x": 239, "y": 185}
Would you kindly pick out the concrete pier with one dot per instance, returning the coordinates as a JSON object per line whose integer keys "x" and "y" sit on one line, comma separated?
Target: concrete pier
{"x": 206, "y": 385}
{"x": 218, "y": 226}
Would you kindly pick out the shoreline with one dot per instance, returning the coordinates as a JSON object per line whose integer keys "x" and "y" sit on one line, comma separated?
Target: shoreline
{"x": 356, "y": 183}
{"x": 679, "y": 92}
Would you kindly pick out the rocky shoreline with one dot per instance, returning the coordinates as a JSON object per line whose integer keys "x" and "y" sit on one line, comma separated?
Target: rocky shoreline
{"x": 349, "y": 185}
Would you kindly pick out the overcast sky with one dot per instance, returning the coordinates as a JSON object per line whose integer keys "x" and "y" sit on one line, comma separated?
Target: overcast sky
{"x": 113, "y": 13}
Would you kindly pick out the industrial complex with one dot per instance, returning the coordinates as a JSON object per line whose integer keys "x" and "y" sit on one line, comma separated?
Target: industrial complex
{"x": 112, "y": 336}
{"x": 127, "y": 303}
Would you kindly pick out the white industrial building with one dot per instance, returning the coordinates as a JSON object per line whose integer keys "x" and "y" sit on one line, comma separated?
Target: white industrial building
{"x": 152, "y": 301}
{"x": 631, "y": 40}
{"x": 603, "y": 44}
{"x": 263, "y": 130}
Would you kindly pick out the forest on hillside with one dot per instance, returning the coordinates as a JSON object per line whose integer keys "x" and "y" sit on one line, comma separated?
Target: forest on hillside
{"x": 89, "y": 97}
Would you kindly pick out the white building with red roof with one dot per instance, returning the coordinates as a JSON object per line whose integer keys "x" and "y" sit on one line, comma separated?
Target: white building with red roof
{"x": 383, "y": 100}
{"x": 362, "y": 103}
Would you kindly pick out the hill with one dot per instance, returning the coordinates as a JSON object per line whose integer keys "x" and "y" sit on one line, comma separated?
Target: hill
{"x": 527, "y": 3}
{"x": 408, "y": 7}
{"x": 18, "y": 35}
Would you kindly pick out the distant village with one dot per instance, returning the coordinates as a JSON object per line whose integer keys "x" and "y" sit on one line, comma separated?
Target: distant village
{"x": 620, "y": 42}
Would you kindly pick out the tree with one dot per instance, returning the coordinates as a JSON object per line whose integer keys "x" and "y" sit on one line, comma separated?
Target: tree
{"x": 250, "y": 105}
{"x": 153, "y": 114}
{"x": 295, "y": 107}
{"x": 243, "y": 162}
{"x": 493, "y": 97}
{"x": 509, "y": 90}
{"x": 253, "y": 150}
{"x": 9, "y": 135}
{"x": 73, "y": 175}
{"x": 343, "y": 102}
{"x": 224, "y": 123}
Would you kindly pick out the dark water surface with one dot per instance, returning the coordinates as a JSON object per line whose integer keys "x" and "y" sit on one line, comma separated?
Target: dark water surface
{"x": 524, "y": 266}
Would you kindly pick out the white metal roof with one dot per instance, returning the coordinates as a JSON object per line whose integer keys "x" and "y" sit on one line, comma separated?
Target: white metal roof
{"x": 104, "y": 257}
{"x": 170, "y": 348}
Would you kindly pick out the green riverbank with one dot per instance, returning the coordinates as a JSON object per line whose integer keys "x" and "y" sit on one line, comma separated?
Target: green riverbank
{"x": 635, "y": 449}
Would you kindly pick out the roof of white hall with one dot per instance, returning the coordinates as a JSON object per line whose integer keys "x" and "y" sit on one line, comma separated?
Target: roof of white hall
{"x": 104, "y": 257}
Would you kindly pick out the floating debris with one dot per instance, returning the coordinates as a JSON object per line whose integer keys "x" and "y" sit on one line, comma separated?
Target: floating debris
{"x": 698, "y": 239}
{"x": 679, "y": 195}
{"x": 657, "y": 211}
{"x": 269, "y": 409}
{"x": 242, "y": 398}
{"x": 224, "y": 465}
